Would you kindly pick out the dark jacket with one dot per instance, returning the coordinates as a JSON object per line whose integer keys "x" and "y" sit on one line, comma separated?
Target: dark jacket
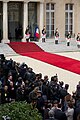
{"x": 60, "y": 115}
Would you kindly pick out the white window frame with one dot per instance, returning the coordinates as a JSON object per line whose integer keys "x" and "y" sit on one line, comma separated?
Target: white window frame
{"x": 69, "y": 11}
{"x": 50, "y": 23}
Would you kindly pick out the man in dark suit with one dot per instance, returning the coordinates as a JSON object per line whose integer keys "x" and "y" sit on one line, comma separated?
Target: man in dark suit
{"x": 59, "y": 114}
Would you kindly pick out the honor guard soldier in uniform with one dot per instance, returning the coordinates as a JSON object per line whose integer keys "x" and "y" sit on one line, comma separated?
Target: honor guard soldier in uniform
{"x": 68, "y": 38}
{"x": 27, "y": 33}
{"x": 43, "y": 34}
{"x": 56, "y": 36}
{"x": 78, "y": 40}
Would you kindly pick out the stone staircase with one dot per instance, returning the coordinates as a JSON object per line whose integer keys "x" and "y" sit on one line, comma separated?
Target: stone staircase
{"x": 6, "y": 50}
{"x": 50, "y": 46}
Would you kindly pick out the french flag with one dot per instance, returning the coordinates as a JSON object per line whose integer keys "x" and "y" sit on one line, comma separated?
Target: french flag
{"x": 37, "y": 34}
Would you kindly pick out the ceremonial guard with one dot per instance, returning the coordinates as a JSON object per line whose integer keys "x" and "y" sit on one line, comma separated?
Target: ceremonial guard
{"x": 43, "y": 34}
{"x": 78, "y": 40}
{"x": 27, "y": 34}
{"x": 68, "y": 38}
{"x": 56, "y": 36}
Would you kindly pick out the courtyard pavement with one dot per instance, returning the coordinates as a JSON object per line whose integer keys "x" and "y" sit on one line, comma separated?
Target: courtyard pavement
{"x": 41, "y": 67}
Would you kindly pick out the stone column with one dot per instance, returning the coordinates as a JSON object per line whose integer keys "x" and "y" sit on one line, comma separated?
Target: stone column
{"x": 5, "y": 23}
{"x": 41, "y": 24}
{"x": 25, "y": 20}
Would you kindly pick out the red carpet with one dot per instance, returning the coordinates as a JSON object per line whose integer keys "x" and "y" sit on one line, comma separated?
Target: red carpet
{"x": 23, "y": 47}
{"x": 53, "y": 59}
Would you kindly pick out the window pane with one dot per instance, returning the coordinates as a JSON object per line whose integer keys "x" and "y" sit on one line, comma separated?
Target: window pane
{"x": 66, "y": 27}
{"x": 47, "y": 33}
{"x": 47, "y": 15}
{"x": 66, "y": 32}
{"x": 47, "y": 21}
{"x": 52, "y": 33}
{"x": 47, "y": 27}
{"x": 52, "y": 6}
{"x": 66, "y": 7}
{"x": 47, "y": 6}
{"x": 52, "y": 15}
{"x": 52, "y": 21}
{"x": 52, "y": 27}
{"x": 70, "y": 21}
{"x": 66, "y": 15}
{"x": 70, "y": 27}
{"x": 66, "y": 22}
{"x": 70, "y": 15}
{"x": 70, "y": 6}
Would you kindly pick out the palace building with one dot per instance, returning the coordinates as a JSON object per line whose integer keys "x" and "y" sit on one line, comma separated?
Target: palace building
{"x": 16, "y": 15}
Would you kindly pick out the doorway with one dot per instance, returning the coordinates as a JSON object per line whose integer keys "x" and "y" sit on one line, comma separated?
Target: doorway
{"x": 32, "y": 17}
{"x": 15, "y": 21}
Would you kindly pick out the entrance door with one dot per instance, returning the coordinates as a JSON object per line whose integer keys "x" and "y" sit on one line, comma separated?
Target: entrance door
{"x": 1, "y": 21}
{"x": 15, "y": 21}
{"x": 32, "y": 18}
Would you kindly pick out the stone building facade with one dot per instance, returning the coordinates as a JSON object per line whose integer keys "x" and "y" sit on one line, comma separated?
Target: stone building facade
{"x": 61, "y": 14}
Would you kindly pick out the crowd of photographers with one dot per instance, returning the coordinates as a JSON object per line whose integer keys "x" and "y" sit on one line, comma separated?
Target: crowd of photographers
{"x": 18, "y": 82}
